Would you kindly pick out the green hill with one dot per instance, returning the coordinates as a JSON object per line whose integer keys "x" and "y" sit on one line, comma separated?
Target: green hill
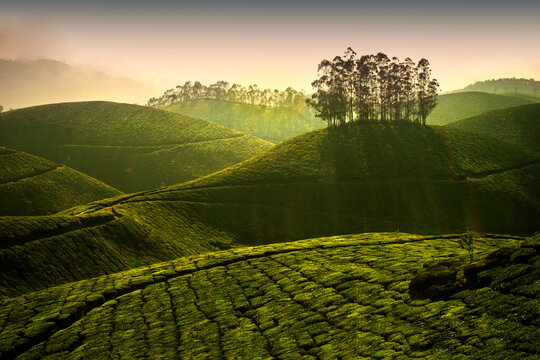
{"x": 352, "y": 179}
{"x": 461, "y": 105}
{"x": 34, "y": 186}
{"x": 130, "y": 147}
{"x": 272, "y": 124}
{"x": 529, "y": 97}
{"x": 371, "y": 178}
{"x": 331, "y": 298}
{"x": 518, "y": 125}
{"x": 506, "y": 85}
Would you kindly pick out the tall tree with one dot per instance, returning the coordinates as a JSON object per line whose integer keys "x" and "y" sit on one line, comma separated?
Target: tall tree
{"x": 427, "y": 90}
{"x": 374, "y": 88}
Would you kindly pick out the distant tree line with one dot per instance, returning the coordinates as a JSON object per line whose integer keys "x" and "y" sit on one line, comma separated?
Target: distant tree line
{"x": 506, "y": 85}
{"x": 221, "y": 90}
{"x": 373, "y": 88}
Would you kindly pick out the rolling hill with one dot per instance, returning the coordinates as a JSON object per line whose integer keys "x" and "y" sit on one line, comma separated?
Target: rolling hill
{"x": 130, "y": 147}
{"x": 34, "y": 186}
{"x": 269, "y": 123}
{"x": 351, "y": 179}
{"x": 343, "y": 297}
{"x": 518, "y": 125}
{"x": 506, "y": 85}
{"x": 461, "y": 105}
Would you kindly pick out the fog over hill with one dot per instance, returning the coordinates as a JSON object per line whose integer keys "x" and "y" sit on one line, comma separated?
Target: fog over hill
{"x": 34, "y": 82}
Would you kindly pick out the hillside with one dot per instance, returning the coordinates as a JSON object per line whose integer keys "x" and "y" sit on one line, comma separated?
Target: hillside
{"x": 34, "y": 186}
{"x": 461, "y": 105}
{"x": 129, "y": 147}
{"x": 343, "y": 297}
{"x": 269, "y": 123}
{"x": 327, "y": 182}
{"x": 506, "y": 85}
{"x": 529, "y": 97}
{"x": 516, "y": 125}
{"x": 26, "y": 83}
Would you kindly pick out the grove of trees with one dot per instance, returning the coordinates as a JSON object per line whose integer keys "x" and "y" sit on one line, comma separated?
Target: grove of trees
{"x": 373, "y": 88}
{"x": 222, "y": 90}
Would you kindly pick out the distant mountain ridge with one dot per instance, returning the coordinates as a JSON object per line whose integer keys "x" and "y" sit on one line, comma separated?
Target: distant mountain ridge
{"x": 506, "y": 85}
{"x": 44, "y": 81}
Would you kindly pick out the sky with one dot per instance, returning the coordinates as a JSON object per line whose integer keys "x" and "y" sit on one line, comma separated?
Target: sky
{"x": 276, "y": 43}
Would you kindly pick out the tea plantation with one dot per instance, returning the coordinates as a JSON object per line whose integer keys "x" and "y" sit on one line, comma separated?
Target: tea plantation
{"x": 30, "y": 185}
{"x": 518, "y": 125}
{"x": 461, "y": 105}
{"x": 130, "y": 147}
{"x": 427, "y": 180}
{"x": 341, "y": 297}
{"x": 269, "y": 123}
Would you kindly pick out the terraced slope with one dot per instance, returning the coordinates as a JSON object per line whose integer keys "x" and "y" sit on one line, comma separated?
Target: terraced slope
{"x": 327, "y": 182}
{"x": 371, "y": 178}
{"x": 34, "y": 186}
{"x": 461, "y": 105}
{"x": 43, "y": 251}
{"x": 130, "y": 147}
{"x": 518, "y": 125}
{"x": 272, "y": 124}
{"x": 342, "y": 297}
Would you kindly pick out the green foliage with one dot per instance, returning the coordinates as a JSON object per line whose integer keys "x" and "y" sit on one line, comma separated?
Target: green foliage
{"x": 34, "y": 186}
{"x": 127, "y": 146}
{"x": 222, "y": 91}
{"x": 516, "y": 125}
{"x": 339, "y": 297}
{"x": 269, "y": 123}
{"x": 373, "y": 88}
{"x": 466, "y": 242}
{"x": 457, "y": 106}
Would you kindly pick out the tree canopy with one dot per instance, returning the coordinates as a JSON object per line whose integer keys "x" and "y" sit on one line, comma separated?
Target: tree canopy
{"x": 373, "y": 88}
{"x": 222, "y": 90}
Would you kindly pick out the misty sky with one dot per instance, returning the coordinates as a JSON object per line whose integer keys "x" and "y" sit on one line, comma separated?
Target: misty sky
{"x": 274, "y": 44}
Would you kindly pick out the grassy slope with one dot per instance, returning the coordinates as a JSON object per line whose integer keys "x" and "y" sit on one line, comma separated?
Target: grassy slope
{"x": 342, "y": 297}
{"x": 34, "y": 186}
{"x": 518, "y": 125}
{"x": 371, "y": 178}
{"x": 272, "y": 124}
{"x": 355, "y": 179}
{"x": 456, "y": 106}
{"x": 525, "y": 96}
{"x": 129, "y": 147}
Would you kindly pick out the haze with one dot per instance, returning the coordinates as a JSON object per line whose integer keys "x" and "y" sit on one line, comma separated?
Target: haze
{"x": 161, "y": 44}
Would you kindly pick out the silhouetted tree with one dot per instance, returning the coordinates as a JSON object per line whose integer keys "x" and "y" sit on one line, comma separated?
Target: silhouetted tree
{"x": 427, "y": 90}
{"x": 373, "y": 88}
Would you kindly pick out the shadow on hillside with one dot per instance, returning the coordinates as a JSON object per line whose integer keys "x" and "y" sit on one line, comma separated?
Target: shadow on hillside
{"x": 383, "y": 151}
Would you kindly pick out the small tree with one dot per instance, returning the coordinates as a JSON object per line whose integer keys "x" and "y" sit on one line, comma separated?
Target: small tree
{"x": 1, "y": 108}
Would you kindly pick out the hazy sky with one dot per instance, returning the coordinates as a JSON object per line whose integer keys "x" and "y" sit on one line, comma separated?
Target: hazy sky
{"x": 273, "y": 43}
